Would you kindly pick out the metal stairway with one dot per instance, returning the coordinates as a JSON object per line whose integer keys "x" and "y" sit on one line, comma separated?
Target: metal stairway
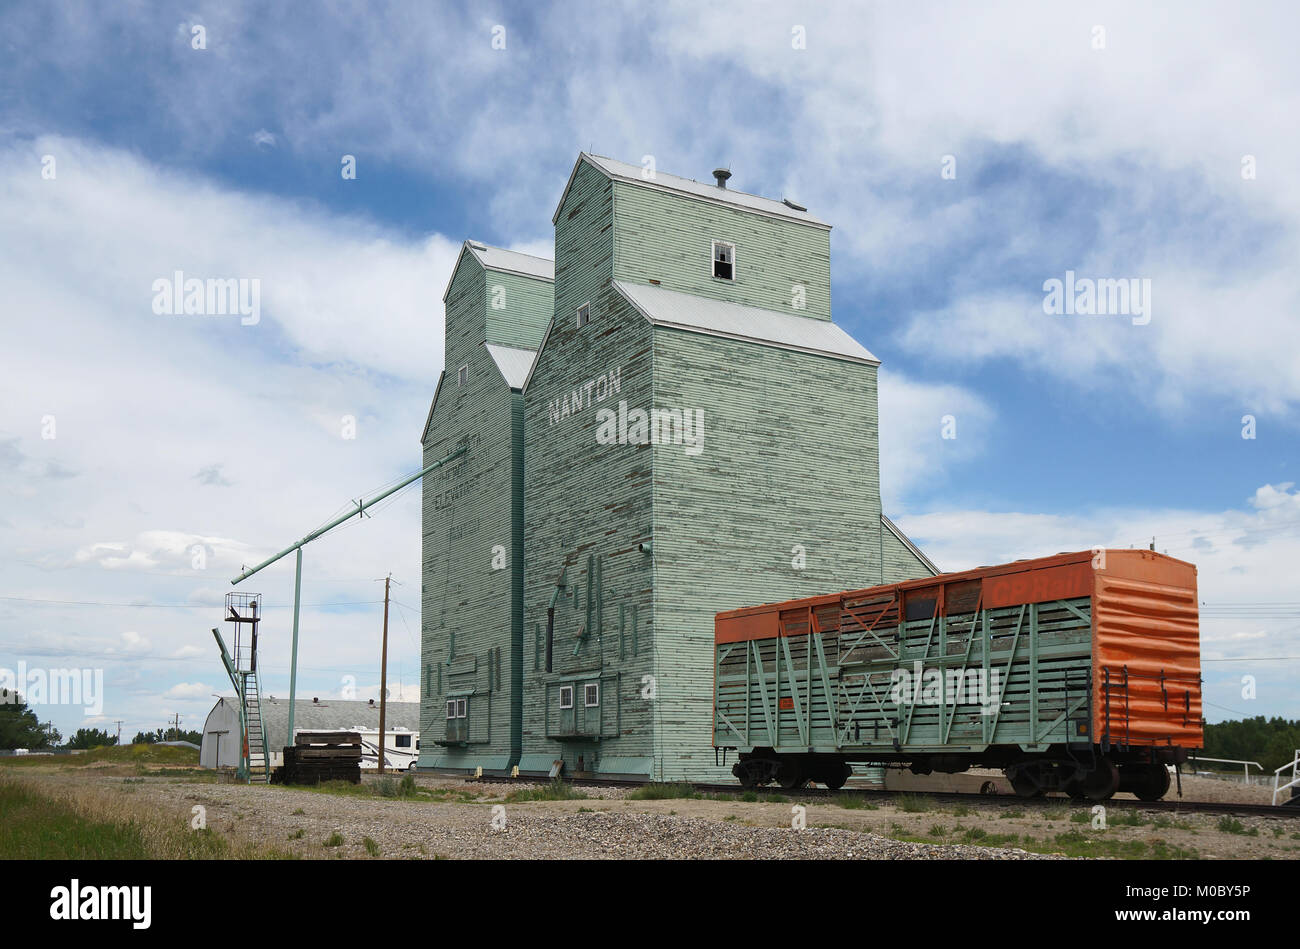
{"x": 243, "y": 609}
{"x": 259, "y": 765}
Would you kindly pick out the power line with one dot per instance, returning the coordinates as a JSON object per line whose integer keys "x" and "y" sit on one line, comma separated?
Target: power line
{"x": 176, "y": 606}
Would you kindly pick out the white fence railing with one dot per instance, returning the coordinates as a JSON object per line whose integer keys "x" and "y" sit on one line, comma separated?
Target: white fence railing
{"x": 1245, "y": 765}
{"x": 1294, "y": 768}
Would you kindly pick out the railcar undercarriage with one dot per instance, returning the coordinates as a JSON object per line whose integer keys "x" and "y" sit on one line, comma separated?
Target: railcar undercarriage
{"x": 1090, "y": 773}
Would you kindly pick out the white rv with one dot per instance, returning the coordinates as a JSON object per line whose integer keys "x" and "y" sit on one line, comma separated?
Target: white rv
{"x": 401, "y": 747}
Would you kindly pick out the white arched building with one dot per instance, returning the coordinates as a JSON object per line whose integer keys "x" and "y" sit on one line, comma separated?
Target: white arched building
{"x": 222, "y": 738}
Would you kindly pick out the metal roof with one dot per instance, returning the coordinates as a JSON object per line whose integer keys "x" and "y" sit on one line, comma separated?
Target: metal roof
{"x": 735, "y": 321}
{"x": 498, "y": 258}
{"x": 333, "y": 715}
{"x": 632, "y": 174}
{"x": 513, "y": 362}
{"x": 907, "y": 542}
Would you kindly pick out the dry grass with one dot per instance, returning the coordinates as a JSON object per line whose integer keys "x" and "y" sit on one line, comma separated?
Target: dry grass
{"x": 45, "y": 820}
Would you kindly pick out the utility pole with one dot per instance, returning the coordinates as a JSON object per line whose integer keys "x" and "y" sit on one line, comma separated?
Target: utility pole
{"x": 383, "y": 676}
{"x": 176, "y": 728}
{"x": 118, "y": 723}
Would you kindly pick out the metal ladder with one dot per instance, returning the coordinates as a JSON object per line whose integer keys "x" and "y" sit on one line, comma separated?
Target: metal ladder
{"x": 259, "y": 765}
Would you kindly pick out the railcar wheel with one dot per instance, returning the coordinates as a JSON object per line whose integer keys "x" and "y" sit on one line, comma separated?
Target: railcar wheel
{"x": 1154, "y": 783}
{"x": 790, "y": 774}
{"x": 836, "y": 776}
{"x": 1097, "y": 785}
{"x": 1023, "y": 783}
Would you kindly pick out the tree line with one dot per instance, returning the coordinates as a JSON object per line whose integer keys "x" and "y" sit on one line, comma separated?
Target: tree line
{"x": 1272, "y": 742}
{"x": 20, "y": 728}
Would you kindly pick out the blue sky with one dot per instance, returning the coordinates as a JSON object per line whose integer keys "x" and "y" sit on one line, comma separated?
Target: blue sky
{"x": 1115, "y": 159}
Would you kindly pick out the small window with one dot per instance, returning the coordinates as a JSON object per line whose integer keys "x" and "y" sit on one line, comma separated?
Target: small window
{"x": 591, "y": 695}
{"x": 451, "y": 709}
{"x": 566, "y": 696}
{"x": 462, "y": 375}
{"x": 584, "y": 315}
{"x": 724, "y": 260}
{"x": 461, "y": 706}
{"x": 402, "y": 741}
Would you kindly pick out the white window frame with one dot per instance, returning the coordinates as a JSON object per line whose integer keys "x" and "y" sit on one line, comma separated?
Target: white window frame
{"x": 584, "y": 309}
{"x": 713, "y": 259}
{"x": 563, "y": 690}
{"x": 462, "y": 375}
{"x": 462, "y": 708}
{"x": 451, "y": 709}
{"x": 587, "y": 692}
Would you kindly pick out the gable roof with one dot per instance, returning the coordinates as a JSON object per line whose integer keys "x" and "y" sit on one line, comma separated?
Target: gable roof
{"x": 514, "y": 362}
{"x": 662, "y": 181}
{"x": 686, "y": 311}
{"x": 503, "y": 261}
{"x": 907, "y": 542}
{"x": 511, "y": 261}
{"x": 424, "y": 435}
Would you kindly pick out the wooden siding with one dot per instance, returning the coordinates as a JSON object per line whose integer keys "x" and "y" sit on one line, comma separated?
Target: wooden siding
{"x": 669, "y": 237}
{"x": 582, "y": 498}
{"x": 899, "y": 562}
{"x": 469, "y": 632}
{"x": 789, "y": 458}
{"x": 517, "y": 315}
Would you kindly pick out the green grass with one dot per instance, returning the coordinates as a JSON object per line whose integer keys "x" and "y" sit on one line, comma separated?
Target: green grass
{"x": 35, "y": 827}
{"x": 156, "y": 755}
{"x": 854, "y": 802}
{"x": 1128, "y": 819}
{"x": 1229, "y": 824}
{"x": 372, "y": 848}
{"x": 1072, "y": 843}
{"x": 334, "y": 840}
{"x": 1012, "y": 815}
{"x": 663, "y": 792}
{"x": 297, "y": 834}
{"x": 388, "y": 786}
{"x": 915, "y": 803}
{"x": 557, "y": 790}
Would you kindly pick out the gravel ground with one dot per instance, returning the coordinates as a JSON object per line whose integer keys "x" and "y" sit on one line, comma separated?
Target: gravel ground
{"x": 302, "y": 821}
{"x": 452, "y": 818}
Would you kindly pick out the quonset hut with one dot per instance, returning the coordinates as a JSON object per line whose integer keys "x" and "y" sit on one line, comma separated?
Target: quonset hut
{"x": 665, "y": 425}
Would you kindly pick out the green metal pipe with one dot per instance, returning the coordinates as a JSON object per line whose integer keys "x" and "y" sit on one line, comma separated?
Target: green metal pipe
{"x": 293, "y": 655}
{"x": 361, "y": 506}
{"x": 297, "y": 579}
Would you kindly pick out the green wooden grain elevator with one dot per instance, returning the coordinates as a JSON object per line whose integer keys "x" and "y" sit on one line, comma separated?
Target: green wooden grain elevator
{"x": 680, "y": 429}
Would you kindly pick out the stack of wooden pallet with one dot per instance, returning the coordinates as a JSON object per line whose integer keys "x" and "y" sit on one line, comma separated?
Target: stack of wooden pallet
{"x": 321, "y": 756}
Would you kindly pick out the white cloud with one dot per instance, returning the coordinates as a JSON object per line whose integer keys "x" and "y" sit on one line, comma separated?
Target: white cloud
{"x": 913, "y": 416}
{"x": 190, "y": 691}
{"x": 351, "y": 325}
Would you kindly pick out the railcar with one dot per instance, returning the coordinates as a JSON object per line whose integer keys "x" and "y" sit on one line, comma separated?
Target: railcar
{"x": 1077, "y": 673}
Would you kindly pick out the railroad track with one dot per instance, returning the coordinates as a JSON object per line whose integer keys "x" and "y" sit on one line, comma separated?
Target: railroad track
{"x": 1175, "y": 806}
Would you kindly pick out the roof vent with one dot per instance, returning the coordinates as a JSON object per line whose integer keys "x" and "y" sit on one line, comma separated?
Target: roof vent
{"x": 790, "y": 204}
{"x": 722, "y": 175}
